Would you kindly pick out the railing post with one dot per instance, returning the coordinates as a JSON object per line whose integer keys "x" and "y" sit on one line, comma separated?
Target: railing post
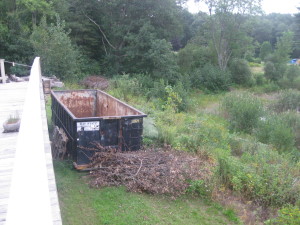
{"x": 2, "y": 71}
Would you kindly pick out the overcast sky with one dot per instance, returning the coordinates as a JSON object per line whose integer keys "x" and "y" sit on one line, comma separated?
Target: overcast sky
{"x": 269, "y": 6}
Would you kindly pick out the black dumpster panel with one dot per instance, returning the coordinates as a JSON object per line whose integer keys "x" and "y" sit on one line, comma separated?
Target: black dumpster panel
{"x": 109, "y": 132}
{"x": 96, "y": 121}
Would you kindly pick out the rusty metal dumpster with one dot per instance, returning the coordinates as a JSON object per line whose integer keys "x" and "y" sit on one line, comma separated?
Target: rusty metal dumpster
{"x": 93, "y": 121}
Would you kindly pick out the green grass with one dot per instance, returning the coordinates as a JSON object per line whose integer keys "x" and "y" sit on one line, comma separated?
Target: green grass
{"x": 49, "y": 113}
{"x": 201, "y": 100}
{"x": 81, "y": 204}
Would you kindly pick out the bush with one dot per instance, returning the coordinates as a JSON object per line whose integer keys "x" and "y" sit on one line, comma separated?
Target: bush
{"x": 200, "y": 187}
{"x": 276, "y": 131}
{"x": 193, "y": 56}
{"x": 240, "y": 145}
{"x": 240, "y": 72}
{"x": 288, "y": 100}
{"x": 265, "y": 177}
{"x": 204, "y": 131}
{"x": 270, "y": 71}
{"x": 291, "y": 78}
{"x": 292, "y": 72}
{"x": 211, "y": 78}
{"x": 192, "y": 133}
{"x": 260, "y": 79}
{"x": 274, "y": 68}
{"x": 243, "y": 110}
{"x": 124, "y": 87}
{"x": 289, "y": 215}
{"x": 292, "y": 119}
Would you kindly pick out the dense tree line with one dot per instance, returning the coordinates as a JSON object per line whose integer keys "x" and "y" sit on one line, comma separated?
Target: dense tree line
{"x": 158, "y": 38}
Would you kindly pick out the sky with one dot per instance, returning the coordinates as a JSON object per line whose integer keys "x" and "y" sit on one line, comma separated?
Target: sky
{"x": 269, "y": 6}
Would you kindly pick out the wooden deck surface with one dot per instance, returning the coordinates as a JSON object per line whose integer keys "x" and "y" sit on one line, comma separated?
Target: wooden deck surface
{"x": 12, "y": 97}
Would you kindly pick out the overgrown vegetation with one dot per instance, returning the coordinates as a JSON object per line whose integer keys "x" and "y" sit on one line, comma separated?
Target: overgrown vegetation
{"x": 178, "y": 67}
{"x": 81, "y": 204}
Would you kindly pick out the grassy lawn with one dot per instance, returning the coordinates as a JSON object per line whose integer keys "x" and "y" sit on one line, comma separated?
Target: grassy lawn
{"x": 81, "y": 204}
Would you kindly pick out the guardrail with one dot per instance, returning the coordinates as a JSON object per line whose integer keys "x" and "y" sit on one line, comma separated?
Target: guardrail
{"x": 29, "y": 201}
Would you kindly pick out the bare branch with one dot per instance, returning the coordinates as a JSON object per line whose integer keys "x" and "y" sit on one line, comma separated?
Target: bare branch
{"x": 99, "y": 27}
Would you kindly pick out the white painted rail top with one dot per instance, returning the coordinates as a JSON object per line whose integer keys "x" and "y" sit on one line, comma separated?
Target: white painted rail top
{"x": 29, "y": 201}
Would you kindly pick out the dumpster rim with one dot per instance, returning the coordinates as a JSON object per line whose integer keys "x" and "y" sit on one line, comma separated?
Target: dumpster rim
{"x": 95, "y": 117}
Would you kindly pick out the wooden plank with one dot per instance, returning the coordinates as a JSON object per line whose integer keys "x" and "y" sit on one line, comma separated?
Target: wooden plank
{"x": 11, "y": 100}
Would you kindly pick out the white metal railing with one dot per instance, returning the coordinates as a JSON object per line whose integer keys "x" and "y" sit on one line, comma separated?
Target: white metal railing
{"x": 2, "y": 71}
{"x": 29, "y": 201}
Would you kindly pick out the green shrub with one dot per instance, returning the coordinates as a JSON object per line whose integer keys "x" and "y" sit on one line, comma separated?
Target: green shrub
{"x": 260, "y": 79}
{"x": 288, "y": 100}
{"x": 271, "y": 72}
{"x": 275, "y": 67}
{"x": 192, "y": 133}
{"x": 289, "y": 215}
{"x": 240, "y": 72}
{"x": 287, "y": 84}
{"x": 202, "y": 131}
{"x": 243, "y": 110}
{"x": 274, "y": 130}
{"x": 169, "y": 97}
{"x": 267, "y": 87}
{"x": 265, "y": 177}
{"x": 240, "y": 145}
{"x": 211, "y": 78}
{"x": 124, "y": 87}
{"x": 193, "y": 56}
{"x": 200, "y": 188}
{"x": 292, "y": 119}
{"x": 292, "y": 72}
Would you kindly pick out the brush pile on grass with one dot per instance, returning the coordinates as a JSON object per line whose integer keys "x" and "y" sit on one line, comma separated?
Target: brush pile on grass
{"x": 151, "y": 171}
{"x": 95, "y": 82}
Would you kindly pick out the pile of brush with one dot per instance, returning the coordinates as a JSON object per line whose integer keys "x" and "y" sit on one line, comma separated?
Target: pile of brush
{"x": 156, "y": 171}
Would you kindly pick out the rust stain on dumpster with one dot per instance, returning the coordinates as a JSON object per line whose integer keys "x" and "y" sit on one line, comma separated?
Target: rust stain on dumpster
{"x": 93, "y": 116}
{"x": 95, "y": 104}
{"x": 81, "y": 104}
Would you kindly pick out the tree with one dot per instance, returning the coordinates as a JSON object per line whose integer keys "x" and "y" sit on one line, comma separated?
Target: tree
{"x": 265, "y": 50}
{"x": 227, "y": 20}
{"x": 240, "y": 72}
{"x": 52, "y": 43}
{"x": 284, "y": 46}
{"x": 296, "y": 52}
{"x": 126, "y": 33}
{"x": 276, "y": 64}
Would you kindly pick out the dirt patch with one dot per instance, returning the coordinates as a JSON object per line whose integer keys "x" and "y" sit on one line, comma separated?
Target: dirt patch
{"x": 95, "y": 82}
{"x": 156, "y": 171}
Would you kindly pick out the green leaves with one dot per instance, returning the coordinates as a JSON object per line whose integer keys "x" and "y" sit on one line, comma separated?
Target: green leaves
{"x": 52, "y": 43}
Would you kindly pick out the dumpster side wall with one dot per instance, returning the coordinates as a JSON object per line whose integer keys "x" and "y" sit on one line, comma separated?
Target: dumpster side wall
{"x": 80, "y": 103}
{"x": 110, "y": 106}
